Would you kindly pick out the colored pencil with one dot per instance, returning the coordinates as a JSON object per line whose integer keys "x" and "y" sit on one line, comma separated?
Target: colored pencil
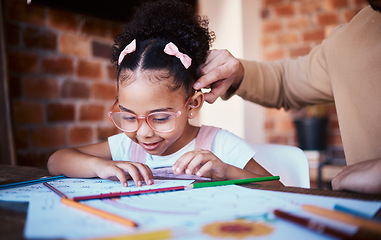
{"x": 154, "y": 235}
{"x": 55, "y": 190}
{"x": 30, "y": 182}
{"x": 89, "y": 209}
{"x": 230, "y": 182}
{"x": 348, "y": 210}
{"x": 311, "y": 224}
{"x": 119, "y": 194}
{"x": 178, "y": 188}
{"x": 99, "y": 212}
{"x": 344, "y": 217}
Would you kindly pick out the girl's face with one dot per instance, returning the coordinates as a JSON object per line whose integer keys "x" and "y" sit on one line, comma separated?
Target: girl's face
{"x": 144, "y": 93}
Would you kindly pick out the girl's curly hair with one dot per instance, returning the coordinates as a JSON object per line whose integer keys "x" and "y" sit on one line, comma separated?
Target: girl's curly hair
{"x": 157, "y": 23}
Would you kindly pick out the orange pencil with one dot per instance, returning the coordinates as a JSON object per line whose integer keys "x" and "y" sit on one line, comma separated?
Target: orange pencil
{"x": 98, "y": 212}
{"x": 89, "y": 209}
{"x": 344, "y": 217}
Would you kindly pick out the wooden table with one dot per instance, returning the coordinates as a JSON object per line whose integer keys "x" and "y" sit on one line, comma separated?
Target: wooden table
{"x": 13, "y": 214}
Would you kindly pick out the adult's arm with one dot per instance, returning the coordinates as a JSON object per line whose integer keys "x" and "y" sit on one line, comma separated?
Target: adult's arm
{"x": 288, "y": 83}
{"x": 361, "y": 177}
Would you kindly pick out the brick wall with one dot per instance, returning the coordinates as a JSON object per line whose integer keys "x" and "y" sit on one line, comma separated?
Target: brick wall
{"x": 291, "y": 28}
{"x": 60, "y": 77}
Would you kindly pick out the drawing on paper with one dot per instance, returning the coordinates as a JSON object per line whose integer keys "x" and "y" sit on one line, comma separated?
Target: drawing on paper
{"x": 237, "y": 229}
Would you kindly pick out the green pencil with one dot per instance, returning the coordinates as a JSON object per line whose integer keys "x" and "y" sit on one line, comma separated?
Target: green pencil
{"x": 230, "y": 182}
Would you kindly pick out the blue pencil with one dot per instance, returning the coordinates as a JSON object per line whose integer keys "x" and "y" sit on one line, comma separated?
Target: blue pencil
{"x": 355, "y": 212}
{"x": 30, "y": 182}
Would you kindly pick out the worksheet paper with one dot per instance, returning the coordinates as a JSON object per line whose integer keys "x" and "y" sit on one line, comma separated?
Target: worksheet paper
{"x": 188, "y": 212}
{"x": 75, "y": 187}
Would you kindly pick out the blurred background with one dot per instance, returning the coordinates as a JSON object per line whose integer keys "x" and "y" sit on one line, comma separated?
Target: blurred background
{"x": 57, "y": 82}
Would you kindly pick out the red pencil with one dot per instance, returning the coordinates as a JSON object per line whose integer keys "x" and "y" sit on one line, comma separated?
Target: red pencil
{"x": 312, "y": 224}
{"x": 119, "y": 194}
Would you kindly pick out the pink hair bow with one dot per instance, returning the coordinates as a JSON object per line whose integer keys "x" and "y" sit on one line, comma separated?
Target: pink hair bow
{"x": 128, "y": 49}
{"x": 171, "y": 49}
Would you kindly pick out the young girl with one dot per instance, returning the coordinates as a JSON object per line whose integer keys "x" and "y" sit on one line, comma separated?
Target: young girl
{"x": 157, "y": 58}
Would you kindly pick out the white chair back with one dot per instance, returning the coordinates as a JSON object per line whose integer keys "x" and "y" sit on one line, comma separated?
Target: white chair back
{"x": 288, "y": 162}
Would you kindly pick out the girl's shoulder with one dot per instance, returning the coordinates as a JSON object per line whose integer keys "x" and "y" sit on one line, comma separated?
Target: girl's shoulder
{"x": 120, "y": 146}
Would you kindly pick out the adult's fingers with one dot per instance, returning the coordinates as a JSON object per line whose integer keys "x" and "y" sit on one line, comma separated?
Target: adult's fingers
{"x": 210, "y": 70}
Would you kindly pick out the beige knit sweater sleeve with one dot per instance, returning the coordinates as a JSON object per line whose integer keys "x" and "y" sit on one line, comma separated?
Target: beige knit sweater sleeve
{"x": 289, "y": 83}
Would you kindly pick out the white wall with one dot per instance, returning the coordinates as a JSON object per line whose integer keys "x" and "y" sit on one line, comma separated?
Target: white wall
{"x": 236, "y": 24}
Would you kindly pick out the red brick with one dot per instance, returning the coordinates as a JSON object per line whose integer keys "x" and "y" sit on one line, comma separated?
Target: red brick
{"x": 271, "y": 26}
{"x": 12, "y": 34}
{"x": 33, "y": 87}
{"x": 45, "y": 137}
{"x": 71, "y": 89}
{"x": 41, "y": 38}
{"x": 88, "y": 69}
{"x": 269, "y": 125}
{"x": 80, "y": 135}
{"x": 361, "y": 3}
{"x": 74, "y": 44}
{"x": 277, "y": 139}
{"x": 327, "y": 19}
{"x": 349, "y": 14}
{"x": 288, "y": 38}
{"x": 314, "y": 35}
{"x": 14, "y": 84}
{"x": 267, "y": 41}
{"x": 105, "y": 132}
{"x": 21, "y": 136}
{"x": 102, "y": 50}
{"x": 19, "y": 10}
{"x": 27, "y": 112}
{"x": 115, "y": 29}
{"x": 284, "y": 10}
{"x": 310, "y": 6}
{"x": 58, "y": 112}
{"x": 22, "y": 62}
{"x": 112, "y": 72}
{"x": 333, "y": 124}
{"x": 58, "y": 65}
{"x": 62, "y": 20}
{"x": 92, "y": 112}
{"x": 298, "y": 23}
{"x": 103, "y": 91}
{"x": 299, "y": 51}
{"x": 335, "y": 4}
{"x": 33, "y": 158}
{"x": 95, "y": 27}
{"x": 267, "y": 3}
{"x": 285, "y": 126}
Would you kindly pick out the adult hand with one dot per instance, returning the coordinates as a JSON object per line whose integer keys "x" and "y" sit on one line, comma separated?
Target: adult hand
{"x": 364, "y": 177}
{"x": 220, "y": 71}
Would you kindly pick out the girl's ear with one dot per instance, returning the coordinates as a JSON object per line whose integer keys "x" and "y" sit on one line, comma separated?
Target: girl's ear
{"x": 195, "y": 104}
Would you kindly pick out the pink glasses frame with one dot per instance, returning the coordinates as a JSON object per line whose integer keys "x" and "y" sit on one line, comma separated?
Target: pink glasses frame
{"x": 145, "y": 117}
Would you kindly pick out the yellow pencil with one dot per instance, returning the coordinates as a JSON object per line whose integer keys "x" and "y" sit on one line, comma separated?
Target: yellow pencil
{"x": 155, "y": 235}
{"x": 344, "y": 217}
{"x": 98, "y": 212}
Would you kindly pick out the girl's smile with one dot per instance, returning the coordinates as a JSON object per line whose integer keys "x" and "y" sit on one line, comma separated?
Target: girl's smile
{"x": 147, "y": 92}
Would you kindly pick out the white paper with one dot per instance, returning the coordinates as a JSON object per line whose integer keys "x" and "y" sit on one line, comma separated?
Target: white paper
{"x": 74, "y": 187}
{"x": 188, "y": 210}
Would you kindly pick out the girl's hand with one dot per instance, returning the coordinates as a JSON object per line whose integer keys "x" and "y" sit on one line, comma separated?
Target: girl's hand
{"x": 123, "y": 170}
{"x": 202, "y": 163}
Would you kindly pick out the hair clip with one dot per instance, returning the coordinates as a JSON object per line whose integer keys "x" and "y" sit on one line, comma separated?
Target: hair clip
{"x": 128, "y": 49}
{"x": 171, "y": 49}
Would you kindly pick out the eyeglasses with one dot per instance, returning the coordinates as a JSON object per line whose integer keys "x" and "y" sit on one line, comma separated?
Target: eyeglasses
{"x": 162, "y": 122}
